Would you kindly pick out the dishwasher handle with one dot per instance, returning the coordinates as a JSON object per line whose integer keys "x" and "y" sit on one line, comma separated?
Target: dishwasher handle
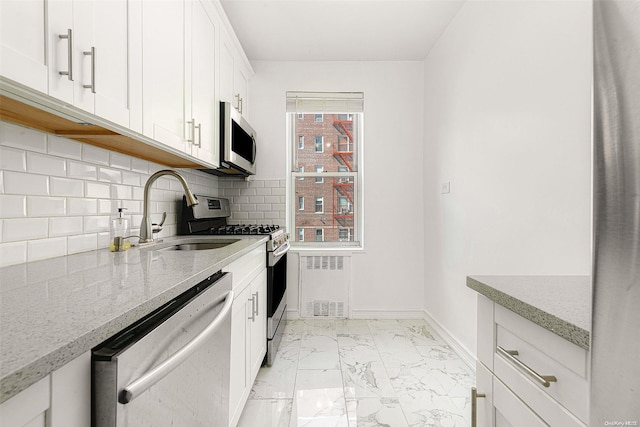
{"x": 142, "y": 384}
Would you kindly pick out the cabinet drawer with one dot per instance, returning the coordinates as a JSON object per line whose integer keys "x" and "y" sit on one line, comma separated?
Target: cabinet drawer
{"x": 547, "y": 355}
{"x": 246, "y": 268}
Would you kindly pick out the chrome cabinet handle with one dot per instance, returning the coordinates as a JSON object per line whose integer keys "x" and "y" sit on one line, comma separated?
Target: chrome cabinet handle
{"x": 257, "y": 303}
{"x": 69, "y": 37}
{"x": 545, "y": 380}
{"x": 199, "y": 127}
{"x": 142, "y": 384}
{"x": 92, "y": 86}
{"x": 253, "y": 308}
{"x": 474, "y": 405}
{"x": 239, "y": 103}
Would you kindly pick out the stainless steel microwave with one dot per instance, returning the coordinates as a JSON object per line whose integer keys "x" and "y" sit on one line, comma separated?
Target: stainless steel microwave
{"x": 237, "y": 143}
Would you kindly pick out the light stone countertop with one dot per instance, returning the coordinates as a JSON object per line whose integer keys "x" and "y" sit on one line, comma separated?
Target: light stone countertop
{"x": 561, "y": 304}
{"x": 54, "y": 310}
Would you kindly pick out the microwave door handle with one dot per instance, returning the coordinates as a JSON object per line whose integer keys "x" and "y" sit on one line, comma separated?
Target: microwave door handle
{"x": 255, "y": 149}
{"x": 142, "y": 384}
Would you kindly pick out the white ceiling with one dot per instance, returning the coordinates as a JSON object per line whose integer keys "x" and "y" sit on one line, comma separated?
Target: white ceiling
{"x": 339, "y": 30}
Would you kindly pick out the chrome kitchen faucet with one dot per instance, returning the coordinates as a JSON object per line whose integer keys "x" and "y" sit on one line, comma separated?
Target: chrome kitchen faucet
{"x": 146, "y": 228}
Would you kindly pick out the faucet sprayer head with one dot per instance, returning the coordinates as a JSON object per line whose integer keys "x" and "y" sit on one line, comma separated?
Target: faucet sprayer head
{"x": 191, "y": 199}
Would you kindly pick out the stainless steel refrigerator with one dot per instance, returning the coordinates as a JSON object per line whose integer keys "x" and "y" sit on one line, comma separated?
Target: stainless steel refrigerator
{"x": 615, "y": 346}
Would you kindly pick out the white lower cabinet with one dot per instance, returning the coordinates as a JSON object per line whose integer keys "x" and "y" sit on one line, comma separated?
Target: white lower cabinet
{"x": 515, "y": 358}
{"x": 248, "y": 328}
{"x": 61, "y": 399}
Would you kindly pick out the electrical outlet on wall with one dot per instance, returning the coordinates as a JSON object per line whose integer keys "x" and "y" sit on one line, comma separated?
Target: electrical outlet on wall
{"x": 445, "y": 187}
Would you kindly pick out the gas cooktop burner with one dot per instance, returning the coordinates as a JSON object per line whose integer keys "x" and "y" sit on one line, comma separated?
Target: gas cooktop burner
{"x": 244, "y": 229}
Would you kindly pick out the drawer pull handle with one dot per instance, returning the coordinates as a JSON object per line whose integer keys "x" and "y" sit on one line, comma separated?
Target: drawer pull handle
{"x": 474, "y": 405}
{"x": 545, "y": 380}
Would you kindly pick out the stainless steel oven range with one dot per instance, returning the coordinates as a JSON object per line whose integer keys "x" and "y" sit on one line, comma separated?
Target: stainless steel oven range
{"x": 210, "y": 217}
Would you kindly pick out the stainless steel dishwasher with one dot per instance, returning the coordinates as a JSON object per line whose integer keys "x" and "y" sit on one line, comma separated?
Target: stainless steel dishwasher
{"x": 170, "y": 368}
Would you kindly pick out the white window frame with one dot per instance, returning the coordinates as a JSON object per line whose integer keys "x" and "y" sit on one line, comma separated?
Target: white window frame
{"x": 300, "y": 234}
{"x": 319, "y": 179}
{"x": 315, "y": 235}
{"x": 315, "y": 146}
{"x": 348, "y": 230}
{"x": 352, "y": 104}
{"x": 300, "y": 203}
{"x": 318, "y": 117}
{"x": 321, "y": 200}
{"x": 300, "y": 142}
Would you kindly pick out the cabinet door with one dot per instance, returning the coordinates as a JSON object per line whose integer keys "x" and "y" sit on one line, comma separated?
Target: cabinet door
{"x": 28, "y": 408}
{"x": 62, "y": 51}
{"x": 226, "y": 71}
{"x": 240, "y": 84}
{"x": 202, "y": 97}
{"x": 163, "y": 46}
{"x": 22, "y": 32}
{"x": 259, "y": 323}
{"x": 71, "y": 394}
{"x": 238, "y": 372}
{"x": 484, "y": 404}
{"x": 110, "y": 20}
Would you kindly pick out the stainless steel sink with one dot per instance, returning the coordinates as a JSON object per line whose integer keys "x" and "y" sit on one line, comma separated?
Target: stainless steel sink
{"x": 197, "y": 245}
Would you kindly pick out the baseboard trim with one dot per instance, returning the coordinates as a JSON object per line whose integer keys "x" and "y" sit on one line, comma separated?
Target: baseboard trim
{"x": 467, "y": 357}
{"x": 386, "y": 314}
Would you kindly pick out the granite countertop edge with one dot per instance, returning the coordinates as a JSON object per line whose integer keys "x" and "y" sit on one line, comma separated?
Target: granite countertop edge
{"x": 18, "y": 380}
{"x": 563, "y": 328}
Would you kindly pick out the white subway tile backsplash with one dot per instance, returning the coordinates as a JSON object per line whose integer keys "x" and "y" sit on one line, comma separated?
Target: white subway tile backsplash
{"x": 96, "y": 155}
{"x": 82, "y": 243}
{"x": 25, "y": 183}
{"x": 46, "y": 248}
{"x": 272, "y": 183}
{"x": 16, "y": 229}
{"x": 13, "y": 159}
{"x": 98, "y": 190}
{"x": 273, "y": 199}
{"x": 110, "y": 175}
{"x": 81, "y": 170}
{"x": 272, "y": 215}
{"x": 66, "y": 187}
{"x": 45, "y": 164}
{"x": 65, "y": 226}
{"x": 78, "y": 206}
{"x": 120, "y": 192}
{"x": 264, "y": 207}
{"x": 41, "y": 206}
{"x": 63, "y": 147}
{"x": 256, "y": 215}
{"x": 13, "y": 253}
{"x": 13, "y": 206}
{"x": 57, "y": 196}
{"x": 20, "y": 137}
{"x": 280, "y": 191}
{"x": 130, "y": 178}
{"x": 139, "y": 165}
{"x": 95, "y": 224}
{"x": 120, "y": 161}
{"x": 256, "y": 199}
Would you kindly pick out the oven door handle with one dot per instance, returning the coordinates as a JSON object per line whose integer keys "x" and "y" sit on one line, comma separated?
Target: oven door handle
{"x": 282, "y": 250}
{"x": 142, "y": 384}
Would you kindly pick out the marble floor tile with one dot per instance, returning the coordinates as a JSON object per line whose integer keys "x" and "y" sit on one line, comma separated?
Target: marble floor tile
{"x": 361, "y": 373}
{"x": 375, "y": 412}
{"x": 266, "y": 413}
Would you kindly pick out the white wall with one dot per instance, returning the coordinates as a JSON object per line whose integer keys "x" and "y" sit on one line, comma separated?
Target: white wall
{"x": 388, "y": 276}
{"x": 507, "y": 122}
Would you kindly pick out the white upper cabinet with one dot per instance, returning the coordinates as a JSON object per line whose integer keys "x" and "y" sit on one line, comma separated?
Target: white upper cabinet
{"x": 88, "y": 56}
{"x": 201, "y": 100}
{"x": 234, "y": 75}
{"x": 163, "y": 47}
{"x": 22, "y": 35}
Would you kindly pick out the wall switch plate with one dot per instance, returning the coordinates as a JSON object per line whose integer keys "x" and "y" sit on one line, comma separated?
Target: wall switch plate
{"x": 445, "y": 187}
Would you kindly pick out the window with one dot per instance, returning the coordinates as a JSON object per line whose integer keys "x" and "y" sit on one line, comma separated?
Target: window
{"x": 301, "y": 116}
{"x": 329, "y": 173}
{"x": 300, "y": 203}
{"x": 344, "y": 234}
{"x": 300, "y": 142}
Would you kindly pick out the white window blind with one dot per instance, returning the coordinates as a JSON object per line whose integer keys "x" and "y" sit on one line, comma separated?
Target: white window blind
{"x": 319, "y": 102}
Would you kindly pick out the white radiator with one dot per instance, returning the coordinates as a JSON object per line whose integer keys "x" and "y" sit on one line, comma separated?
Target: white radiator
{"x": 324, "y": 285}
